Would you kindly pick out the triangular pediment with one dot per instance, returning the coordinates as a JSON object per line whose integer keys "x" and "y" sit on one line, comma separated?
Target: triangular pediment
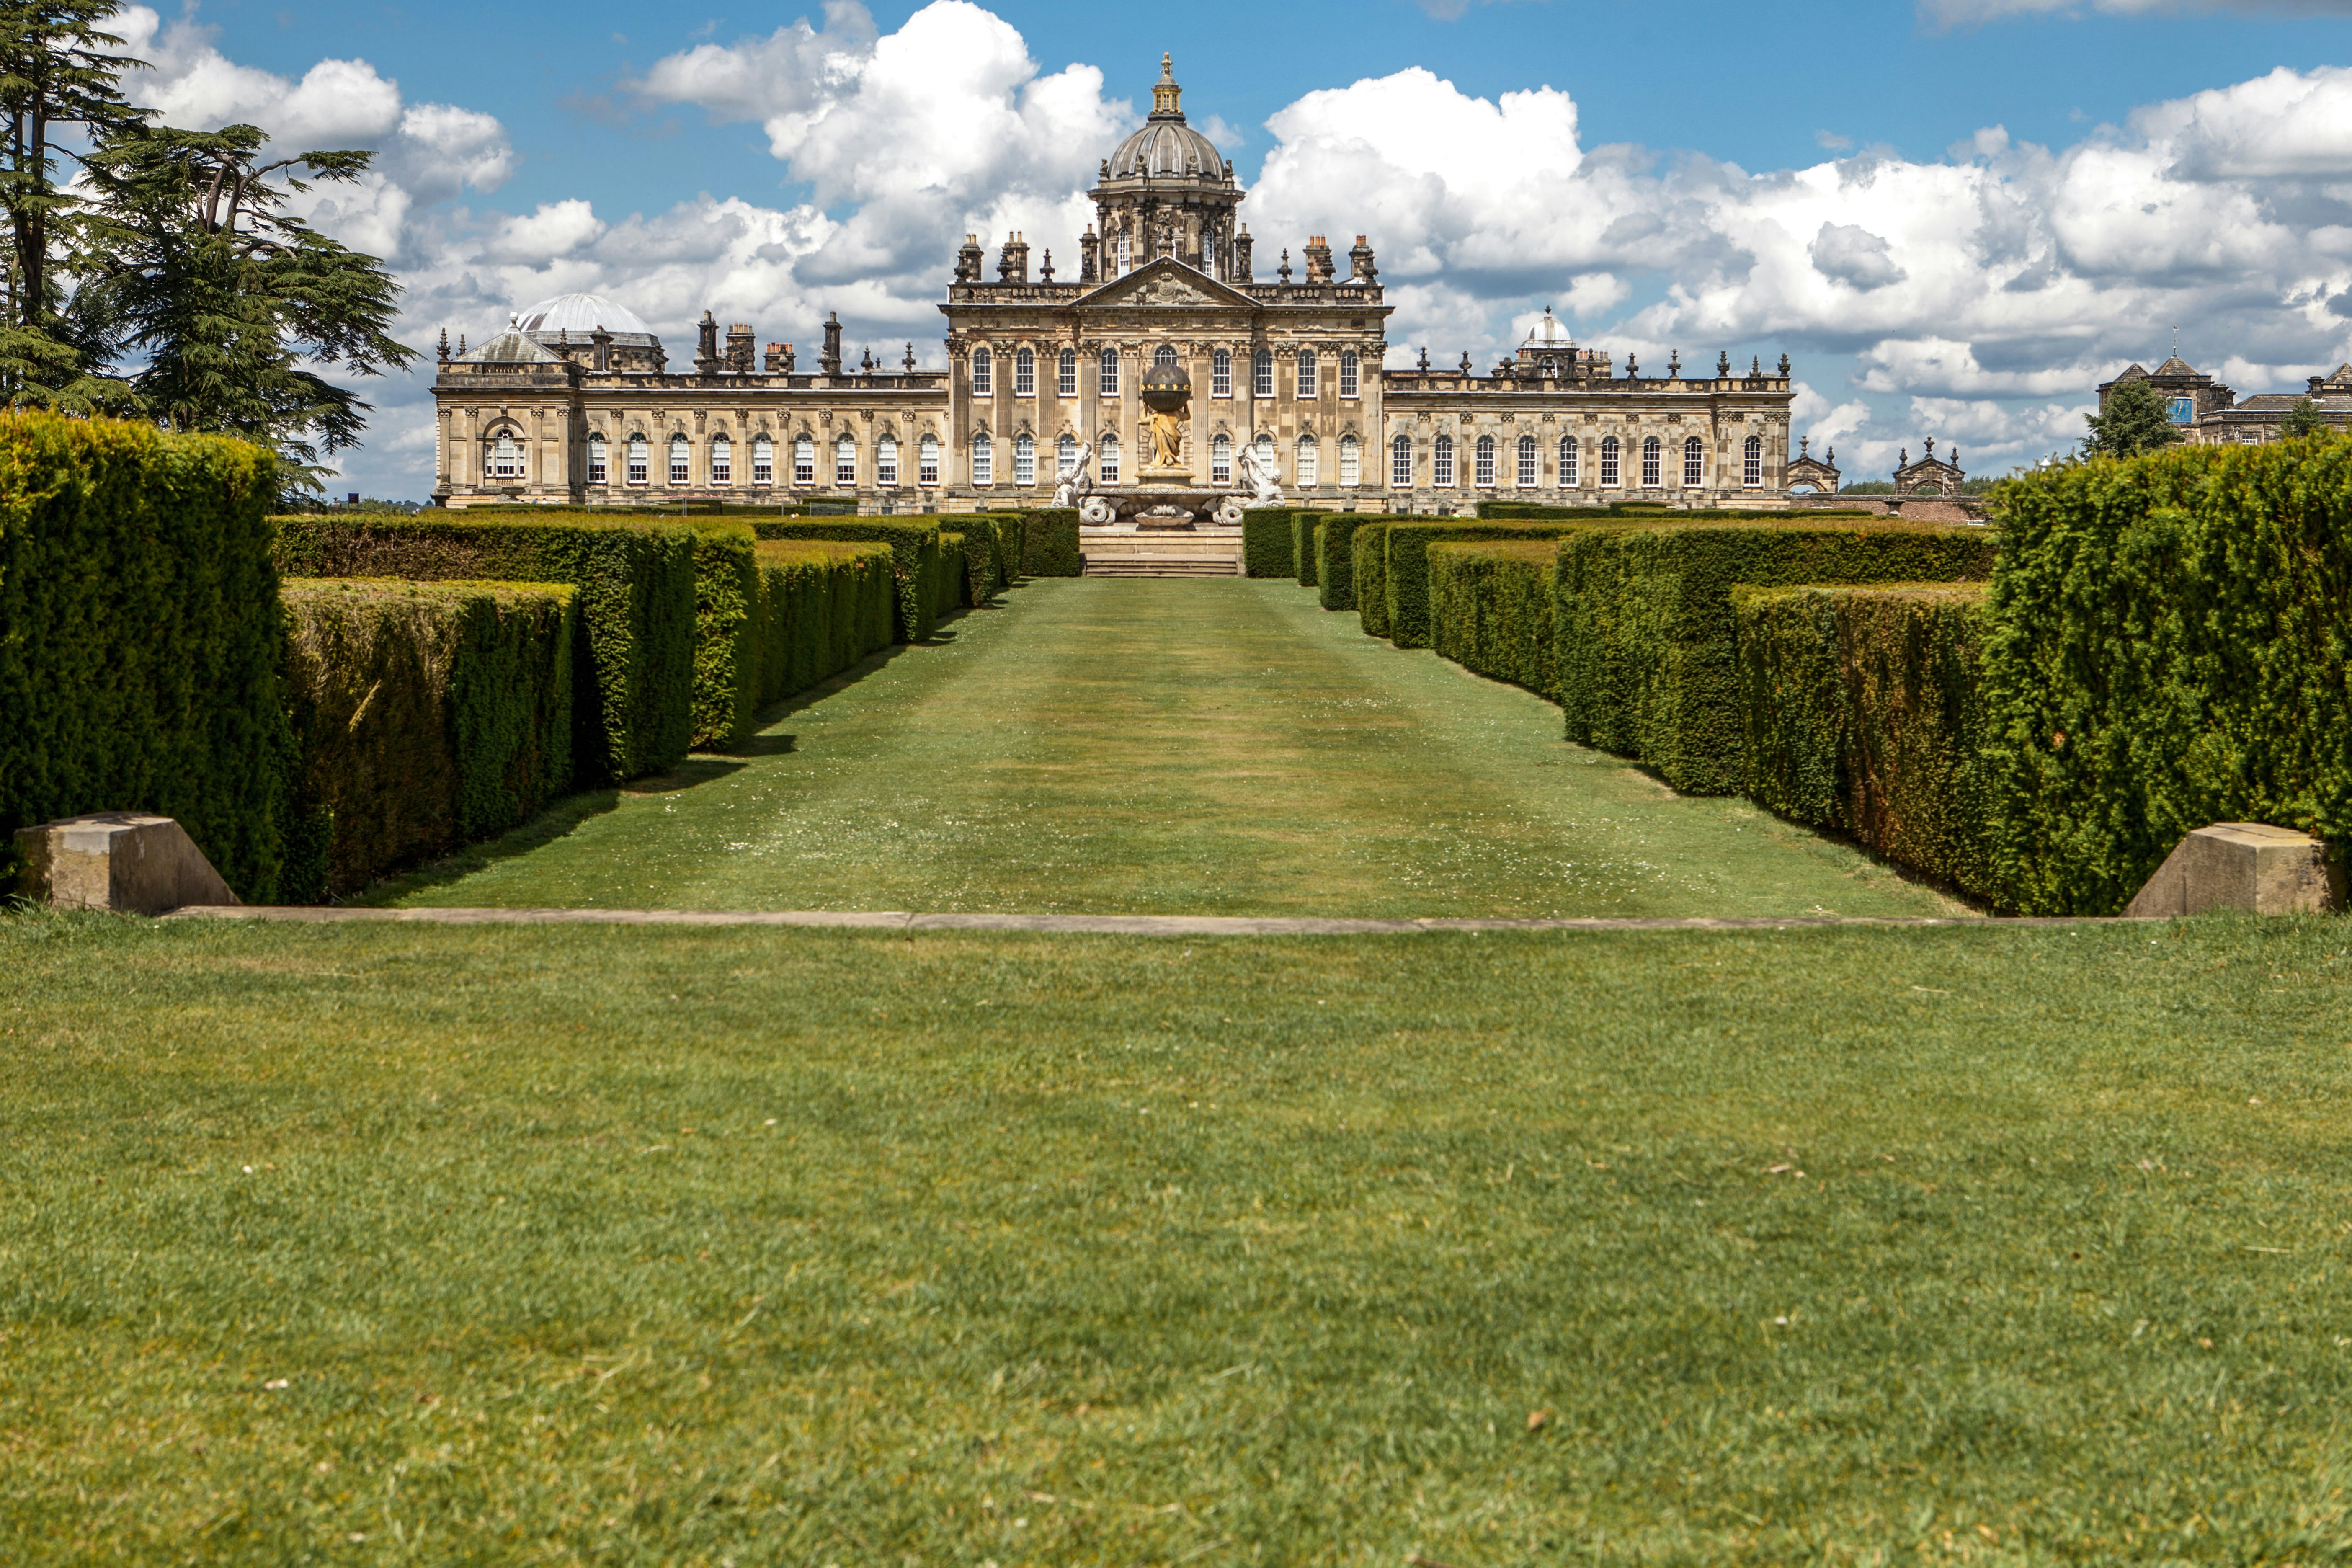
{"x": 1166, "y": 282}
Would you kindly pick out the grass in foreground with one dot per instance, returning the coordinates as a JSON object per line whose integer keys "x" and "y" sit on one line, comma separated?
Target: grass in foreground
{"x": 408, "y": 1245}
{"x": 1107, "y": 746}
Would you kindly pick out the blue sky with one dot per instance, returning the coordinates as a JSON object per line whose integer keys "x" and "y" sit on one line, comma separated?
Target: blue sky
{"x": 1825, "y": 181}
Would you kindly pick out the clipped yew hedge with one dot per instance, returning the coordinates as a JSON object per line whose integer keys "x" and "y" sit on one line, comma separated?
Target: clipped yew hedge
{"x": 1049, "y": 544}
{"x": 426, "y": 714}
{"x": 1647, "y": 643}
{"x": 726, "y": 631}
{"x": 1302, "y": 544}
{"x": 1405, "y": 574}
{"x": 2172, "y": 647}
{"x": 637, "y": 608}
{"x": 824, "y": 605}
{"x": 1266, "y": 542}
{"x": 1490, "y": 608}
{"x": 1862, "y": 712}
{"x": 914, "y": 550}
{"x": 1335, "y": 564}
{"x": 1368, "y": 552}
{"x": 140, "y": 638}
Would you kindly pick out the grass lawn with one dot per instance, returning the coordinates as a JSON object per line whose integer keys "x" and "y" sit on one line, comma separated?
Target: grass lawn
{"x": 1107, "y": 746}
{"x": 404, "y": 1244}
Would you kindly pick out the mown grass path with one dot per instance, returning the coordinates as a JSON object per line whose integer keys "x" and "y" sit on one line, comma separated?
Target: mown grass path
{"x": 1117, "y": 746}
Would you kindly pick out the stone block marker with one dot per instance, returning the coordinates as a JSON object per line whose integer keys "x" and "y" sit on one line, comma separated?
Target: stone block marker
{"x": 123, "y": 860}
{"x": 2248, "y": 866}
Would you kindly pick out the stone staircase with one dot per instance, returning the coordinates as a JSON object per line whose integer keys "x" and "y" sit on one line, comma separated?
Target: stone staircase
{"x": 1123, "y": 553}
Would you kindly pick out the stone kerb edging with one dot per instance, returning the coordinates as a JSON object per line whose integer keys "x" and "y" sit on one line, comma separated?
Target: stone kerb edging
{"x": 1111, "y": 925}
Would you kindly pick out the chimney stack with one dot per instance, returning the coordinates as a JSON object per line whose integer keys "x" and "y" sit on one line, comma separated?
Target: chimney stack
{"x": 831, "y": 359}
{"x": 739, "y": 349}
{"x": 778, "y": 360}
{"x": 1013, "y": 264}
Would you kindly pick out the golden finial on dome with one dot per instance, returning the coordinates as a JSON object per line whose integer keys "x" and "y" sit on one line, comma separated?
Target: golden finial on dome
{"x": 1164, "y": 91}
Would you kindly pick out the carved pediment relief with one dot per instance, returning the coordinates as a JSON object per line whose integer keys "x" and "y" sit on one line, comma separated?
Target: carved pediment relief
{"x": 1166, "y": 281}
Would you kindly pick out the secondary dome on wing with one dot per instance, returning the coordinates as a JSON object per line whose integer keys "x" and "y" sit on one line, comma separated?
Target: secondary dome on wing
{"x": 577, "y": 316}
{"x": 1166, "y": 147}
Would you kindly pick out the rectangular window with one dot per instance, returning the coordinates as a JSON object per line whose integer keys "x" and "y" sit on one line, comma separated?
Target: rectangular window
{"x": 763, "y": 462}
{"x": 1485, "y": 471}
{"x": 804, "y": 461}
{"x": 722, "y": 462}
{"x": 983, "y": 462}
{"x": 1650, "y": 475}
{"x": 1024, "y": 375}
{"x": 844, "y": 465}
{"x": 1221, "y": 461}
{"x": 680, "y": 471}
{"x": 1261, "y": 381}
{"x": 1694, "y": 466}
{"x": 1309, "y": 465}
{"x": 886, "y": 461}
{"x": 983, "y": 374}
{"x": 1307, "y": 373}
{"x": 1107, "y": 381}
{"x": 1109, "y": 454}
{"x": 1221, "y": 374}
{"x": 1348, "y": 464}
{"x": 1442, "y": 466}
{"x": 927, "y": 461}
{"x": 1752, "y": 469}
{"x": 1568, "y": 455}
{"x": 1401, "y": 464}
{"x": 1347, "y": 373}
{"x": 638, "y": 461}
{"x": 1609, "y": 463}
{"x": 1024, "y": 461}
{"x": 596, "y": 461}
{"x": 1527, "y": 462}
{"x": 1065, "y": 380}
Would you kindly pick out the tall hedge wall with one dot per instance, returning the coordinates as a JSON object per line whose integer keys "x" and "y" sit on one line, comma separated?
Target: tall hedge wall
{"x": 824, "y": 605}
{"x": 726, "y": 631}
{"x": 426, "y": 714}
{"x": 1490, "y": 608}
{"x": 140, "y": 638}
{"x": 1647, "y": 643}
{"x": 1302, "y": 544}
{"x": 1863, "y": 711}
{"x": 1368, "y": 554}
{"x": 1405, "y": 577}
{"x": 1049, "y": 544}
{"x": 1335, "y": 563}
{"x": 915, "y": 551}
{"x": 1265, "y": 542}
{"x": 2172, "y": 647}
{"x": 637, "y": 609}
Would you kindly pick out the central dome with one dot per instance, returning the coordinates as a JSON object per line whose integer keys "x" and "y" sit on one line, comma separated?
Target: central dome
{"x": 1166, "y": 147}
{"x": 579, "y": 315}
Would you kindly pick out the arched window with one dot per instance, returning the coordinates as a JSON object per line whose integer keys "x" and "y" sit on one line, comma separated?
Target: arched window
{"x": 681, "y": 462}
{"x": 1220, "y": 457}
{"x": 596, "y": 459}
{"x": 1307, "y": 373}
{"x": 1025, "y": 374}
{"x": 804, "y": 461}
{"x": 505, "y": 457}
{"x": 844, "y": 463}
{"x": 1347, "y": 372}
{"x": 1526, "y": 474}
{"x": 1106, "y": 459}
{"x": 763, "y": 462}
{"x": 1609, "y": 462}
{"x": 1126, "y": 252}
{"x": 1310, "y": 464}
{"x": 1163, "y": 356}
{"x": 983, "y": 462}
{"x": 1065, "y": 456}
{"x": 1751, "y": 472}
{"x": 1350, "y": 462}
{"x": 1568, "y": 450}
{"x": 722, "y": 460}
{"x": 1024, "y": 459}
{"x": 1264, "y": 447}
{"x": 1221, "y": 372}
{"x": 886, "y": 461}
{"x": 1650, "y": 476}
{"x": 982, "y": 374}
{"x": 638, "y": 459}
{"x": 1441, "y": 465}
{"x": 1401, "y": 463}
{"x": 1694, "y": 462}
{"x": 1483, "y": 473}
{"x": 1107, "y": 382}
{"x": 927, "y": 461}
{"x": 1262, "y": 375}
{"x": 1066, "y": 375}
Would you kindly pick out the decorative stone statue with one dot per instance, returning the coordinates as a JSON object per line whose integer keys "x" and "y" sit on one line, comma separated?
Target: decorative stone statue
{"x": 1265, "y": 484}
{"x": 1167, "y": 440}
{"x": 1080, "y": 482}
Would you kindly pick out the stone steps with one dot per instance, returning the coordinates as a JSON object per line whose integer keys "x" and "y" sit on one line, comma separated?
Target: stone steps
{"x": 1155, "y": 554}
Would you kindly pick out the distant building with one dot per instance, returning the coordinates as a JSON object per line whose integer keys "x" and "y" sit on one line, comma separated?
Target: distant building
{"x": 2210, "y": 415}
{"x": 578, "y": 401}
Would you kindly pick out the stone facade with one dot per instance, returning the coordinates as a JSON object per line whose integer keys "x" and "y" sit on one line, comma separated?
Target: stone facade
{"x": 576, "y": 402}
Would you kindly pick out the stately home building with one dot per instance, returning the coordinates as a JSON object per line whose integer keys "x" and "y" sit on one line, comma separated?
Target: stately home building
{"x": 1166, "y": 371}
{"x": 2210, "y": 414}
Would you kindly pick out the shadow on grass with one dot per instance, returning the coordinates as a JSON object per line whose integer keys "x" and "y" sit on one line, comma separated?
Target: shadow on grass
{"x": 545, "y": 828}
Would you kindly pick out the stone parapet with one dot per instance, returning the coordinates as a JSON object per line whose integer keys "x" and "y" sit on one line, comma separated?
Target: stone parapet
{"x": 2250, "y": 867}
{"x": 122, "y": 860}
